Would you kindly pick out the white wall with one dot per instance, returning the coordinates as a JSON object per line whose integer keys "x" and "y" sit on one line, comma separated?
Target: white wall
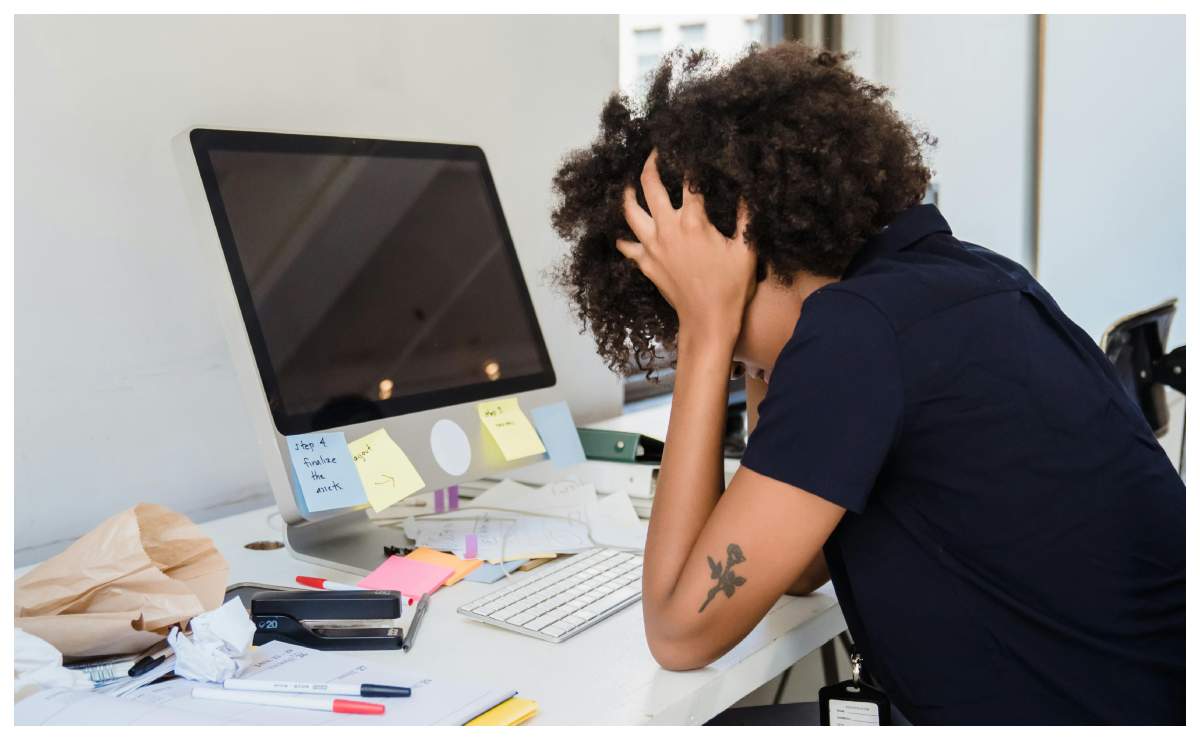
{"x": 970, "y": 81}
{"x": 124, "y": 388}
{"x": 1112, "y": 216}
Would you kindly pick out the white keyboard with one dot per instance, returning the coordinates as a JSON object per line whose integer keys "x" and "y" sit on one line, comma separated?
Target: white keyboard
{"x": 560, "y": 600}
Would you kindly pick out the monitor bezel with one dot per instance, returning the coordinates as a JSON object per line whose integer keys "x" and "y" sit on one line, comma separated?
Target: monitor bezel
{"x": 205, "y": 140}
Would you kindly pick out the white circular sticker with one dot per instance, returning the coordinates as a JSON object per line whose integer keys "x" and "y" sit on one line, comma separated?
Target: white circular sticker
{"x": 450, "y": 447}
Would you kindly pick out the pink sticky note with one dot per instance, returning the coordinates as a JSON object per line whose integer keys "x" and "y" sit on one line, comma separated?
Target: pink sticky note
{"x": 409, "y": 577}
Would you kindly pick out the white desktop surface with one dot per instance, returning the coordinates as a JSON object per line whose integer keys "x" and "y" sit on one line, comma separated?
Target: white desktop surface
{"x": 604, "y": 675}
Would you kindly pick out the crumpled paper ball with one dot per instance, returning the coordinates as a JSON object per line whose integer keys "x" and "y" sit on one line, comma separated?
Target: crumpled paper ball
{"x": 219, "y": 644}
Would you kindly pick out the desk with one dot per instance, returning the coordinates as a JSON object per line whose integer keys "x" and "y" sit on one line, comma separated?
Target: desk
{"x": 605, "y": 675}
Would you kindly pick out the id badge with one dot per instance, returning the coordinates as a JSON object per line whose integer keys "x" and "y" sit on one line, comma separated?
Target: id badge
{"x": 853, "y": 703}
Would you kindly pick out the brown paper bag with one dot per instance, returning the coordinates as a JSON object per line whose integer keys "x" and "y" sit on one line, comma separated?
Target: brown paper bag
{"x": 121, "y": 587}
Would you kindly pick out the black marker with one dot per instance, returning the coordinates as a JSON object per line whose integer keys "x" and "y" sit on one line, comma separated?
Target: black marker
{"x": 411, "y": 637}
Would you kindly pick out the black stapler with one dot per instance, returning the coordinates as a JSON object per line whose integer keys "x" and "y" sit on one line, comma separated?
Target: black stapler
{"x": 328, "y": 620}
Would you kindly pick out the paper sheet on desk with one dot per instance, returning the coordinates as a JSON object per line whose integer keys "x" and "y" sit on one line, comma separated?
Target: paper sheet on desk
{"x": 499, "y": 538}
{"x": 433, "y": 702}
{"x": 524, "y": 522}
{"x": 615, "y": 523}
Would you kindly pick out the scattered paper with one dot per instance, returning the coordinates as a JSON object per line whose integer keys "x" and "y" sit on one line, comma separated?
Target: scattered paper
{"x": 492, "y": 572}
{"x": 511, "y": 521}
{"x": 499, "y": 539}
{"x": 557, "y": 430}
{"x": 217, "y": 648}
{"x": 460, "y": 566}
{"x": 615, "y": 523}
{"x": 568, "y": 499}
{"x": 386, "y": 472}
{"x": 433, "y": 701}
{"x": 38, "y": 663}
{"x": 410, "y": 577}
{"x": 510, "y": 429}
{"x": 325, "y": 471}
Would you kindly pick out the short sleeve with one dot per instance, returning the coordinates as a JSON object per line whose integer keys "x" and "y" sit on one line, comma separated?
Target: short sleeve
{"x": 832, "y": 410}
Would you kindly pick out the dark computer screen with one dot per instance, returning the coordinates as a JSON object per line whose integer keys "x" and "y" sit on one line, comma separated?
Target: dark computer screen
{"x": 375, "y": 278}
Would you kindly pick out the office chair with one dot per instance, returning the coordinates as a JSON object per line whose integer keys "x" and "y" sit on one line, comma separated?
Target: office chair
{"x": 1135, "y": 344}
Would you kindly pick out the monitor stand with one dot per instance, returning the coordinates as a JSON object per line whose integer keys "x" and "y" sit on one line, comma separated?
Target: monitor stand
{"x": 349, "y": 542}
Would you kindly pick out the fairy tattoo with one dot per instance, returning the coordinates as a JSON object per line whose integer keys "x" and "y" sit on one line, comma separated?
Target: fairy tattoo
{"x": 726, "y": 579}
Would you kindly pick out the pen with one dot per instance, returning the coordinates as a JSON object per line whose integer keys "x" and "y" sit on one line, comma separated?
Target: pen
{"x": 145, "y": 665}
{"x": 305, "y": 687}
{"x": 263, "y": 698}
{"x": 411, "y": 637}
{"x": 326, "y": 585}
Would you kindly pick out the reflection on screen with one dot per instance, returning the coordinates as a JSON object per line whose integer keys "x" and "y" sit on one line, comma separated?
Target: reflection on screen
{"x": 373, "y": 277}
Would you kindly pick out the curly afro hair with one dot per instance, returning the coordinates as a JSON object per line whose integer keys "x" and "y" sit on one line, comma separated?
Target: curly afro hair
{"x": 819, "y": 155}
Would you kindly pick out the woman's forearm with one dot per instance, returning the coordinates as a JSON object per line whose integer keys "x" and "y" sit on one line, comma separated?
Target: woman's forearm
{"x": 691, "y": 475}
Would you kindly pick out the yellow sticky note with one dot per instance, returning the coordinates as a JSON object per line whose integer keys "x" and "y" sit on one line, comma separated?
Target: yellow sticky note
{"x": 386, "y": 473}
{"x": 510, "y": 428}
{"x": 436, "y": 557}
{"x": 506, "y": 714}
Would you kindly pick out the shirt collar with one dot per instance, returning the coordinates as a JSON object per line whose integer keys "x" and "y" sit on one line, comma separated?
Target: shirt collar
{"x": 908, "y": 228}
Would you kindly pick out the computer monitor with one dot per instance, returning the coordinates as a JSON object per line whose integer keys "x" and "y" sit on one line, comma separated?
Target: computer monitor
{"x": 366, "y": 284}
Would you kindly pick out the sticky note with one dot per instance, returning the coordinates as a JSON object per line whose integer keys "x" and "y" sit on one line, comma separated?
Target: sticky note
{"x": 434, "y": 557}
{"x": 557, "y": 430}
{"x": 492, "y": 572}
{"x": 325, "y": 472}
{"x": 511, "y": 430}
{"x": 408, "y": 576}
{"x": 386, "y": 472}
{"x": 445, "y": 499}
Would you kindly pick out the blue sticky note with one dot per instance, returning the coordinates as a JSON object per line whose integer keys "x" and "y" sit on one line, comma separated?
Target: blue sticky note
{"x": 492, "y": 572}
{"x": 325, "y": 471}
{"x": 299, "y": 497}
{"x": 557, "y": 430}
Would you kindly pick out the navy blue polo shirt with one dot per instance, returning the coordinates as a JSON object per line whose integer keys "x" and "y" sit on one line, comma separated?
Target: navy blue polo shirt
{"x": 1013, "y": 546}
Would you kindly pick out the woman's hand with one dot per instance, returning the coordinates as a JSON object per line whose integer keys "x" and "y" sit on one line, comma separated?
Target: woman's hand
{"x": 706, "y": 277}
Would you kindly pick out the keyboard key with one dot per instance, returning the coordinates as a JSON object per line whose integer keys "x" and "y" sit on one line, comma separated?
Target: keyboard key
{"x": 542, "y": 621}
{"x": 556, "y": 630}
{"x": 614, "y": 599}
{"x": 505, "y": 613}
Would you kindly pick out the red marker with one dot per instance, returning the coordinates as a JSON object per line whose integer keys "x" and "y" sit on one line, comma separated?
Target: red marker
{"x": 326, "y": 585}
{"x": 262, "y": 698}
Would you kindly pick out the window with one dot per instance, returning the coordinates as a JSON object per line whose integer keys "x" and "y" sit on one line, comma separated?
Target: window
{"x": 644, "y": 39}
{"x": 691, "y": 35}
{"x": 756, "y": 29}
{"x": 647, "y": 44}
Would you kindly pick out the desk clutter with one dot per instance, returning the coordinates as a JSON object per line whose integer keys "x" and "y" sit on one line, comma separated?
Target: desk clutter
{"x": 127, "y": 625}
{"x": 149, "y": 583}
{"x": 292, "y": 667}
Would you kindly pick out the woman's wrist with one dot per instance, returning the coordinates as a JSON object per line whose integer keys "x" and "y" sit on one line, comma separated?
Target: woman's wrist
{"x": 710, "y": 344}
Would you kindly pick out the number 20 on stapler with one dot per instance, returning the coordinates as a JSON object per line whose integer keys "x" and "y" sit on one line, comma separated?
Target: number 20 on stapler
{"x": 328, "y": 620}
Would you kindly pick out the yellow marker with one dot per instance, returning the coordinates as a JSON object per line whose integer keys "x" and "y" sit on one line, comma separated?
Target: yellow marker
{"x": 386, "y": 473}
{"x": 510, "y": 428}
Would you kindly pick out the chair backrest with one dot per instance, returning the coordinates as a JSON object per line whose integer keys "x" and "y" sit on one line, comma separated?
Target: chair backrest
{"x": 1134, "y": 344}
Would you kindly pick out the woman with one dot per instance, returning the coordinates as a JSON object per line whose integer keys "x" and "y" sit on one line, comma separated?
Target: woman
{"x": 1004, "y": 533}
